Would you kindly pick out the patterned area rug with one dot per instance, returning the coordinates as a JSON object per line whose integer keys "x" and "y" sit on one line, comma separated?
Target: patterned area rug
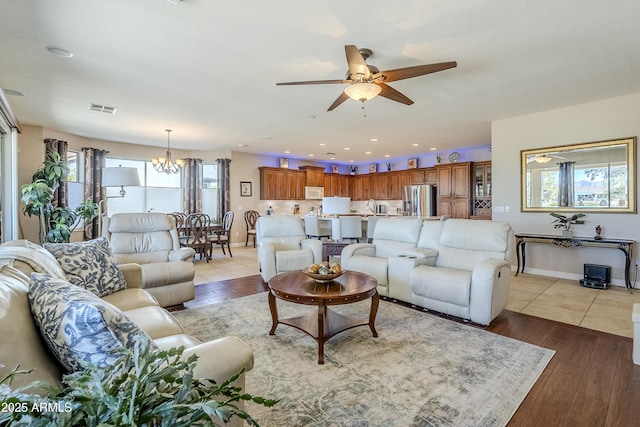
{"x": 422, "y": 370}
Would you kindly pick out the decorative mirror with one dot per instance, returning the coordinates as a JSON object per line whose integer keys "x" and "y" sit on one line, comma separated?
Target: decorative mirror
{"x": 590, "y": 177}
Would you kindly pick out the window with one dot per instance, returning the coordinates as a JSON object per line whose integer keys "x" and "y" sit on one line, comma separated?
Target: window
{"x": 210, "y": 189}
{"x": 158, "y": 192}
{"x": 75, "y": 180}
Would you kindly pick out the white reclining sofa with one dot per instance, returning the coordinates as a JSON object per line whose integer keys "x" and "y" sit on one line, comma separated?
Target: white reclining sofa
{"x": 458, "y": 267}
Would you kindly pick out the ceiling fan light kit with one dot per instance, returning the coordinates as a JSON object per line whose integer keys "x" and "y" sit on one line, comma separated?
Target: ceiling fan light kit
{"x": 166, "y": 164}
{"x": 543, "y": 159}
{"x": 362, "y": 91}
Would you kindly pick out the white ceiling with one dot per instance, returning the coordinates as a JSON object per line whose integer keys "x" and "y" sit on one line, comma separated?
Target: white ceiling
{"x": 207, "y": 69}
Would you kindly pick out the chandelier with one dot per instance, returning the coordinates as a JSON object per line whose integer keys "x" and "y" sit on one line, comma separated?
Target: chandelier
{"x": 165, "y": 164}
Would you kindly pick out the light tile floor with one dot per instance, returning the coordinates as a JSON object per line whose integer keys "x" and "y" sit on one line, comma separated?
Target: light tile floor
{"x": 547, "y": 297}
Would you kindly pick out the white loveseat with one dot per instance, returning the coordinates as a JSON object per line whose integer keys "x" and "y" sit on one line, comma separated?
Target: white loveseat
{"x": 457, "y": 267}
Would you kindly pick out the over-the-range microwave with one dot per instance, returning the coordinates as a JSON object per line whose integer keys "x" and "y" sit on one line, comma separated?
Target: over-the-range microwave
{"x": 313, "y": 193}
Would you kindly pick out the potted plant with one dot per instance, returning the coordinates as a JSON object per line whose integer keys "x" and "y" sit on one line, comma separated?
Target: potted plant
{"x": 566, "y": 221}
{"x": 56, "y": 222}
{"x": 144, "y": 387}
{"x": 353, "y": 169}
{"x": 389, "y": 165}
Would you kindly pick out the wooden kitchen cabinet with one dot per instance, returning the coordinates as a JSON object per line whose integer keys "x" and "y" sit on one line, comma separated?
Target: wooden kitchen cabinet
{"x": 281, "y": 184}
{"x": 337, "y": 185}
{"x": 397, "y": 180}
{"x": 453, "y": 184}
{"x": 431, "y": 176}
{"x": 360, "y": 187}
{"x": 314, "y": 175}
{"x": 379, "y": 186}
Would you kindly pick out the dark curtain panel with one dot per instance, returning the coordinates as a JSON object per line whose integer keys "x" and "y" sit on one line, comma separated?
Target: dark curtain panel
{"x": 565, "y": 192}
{"x": 192, "y": 186}
{"x": 94, "y": 161}
{"x": 224, "y": 195}
{"x": 60, "y": 197}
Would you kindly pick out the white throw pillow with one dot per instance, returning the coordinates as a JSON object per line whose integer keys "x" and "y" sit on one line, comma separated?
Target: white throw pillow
{"x": 90, "y": 265}
{"x": 77, "y": 325}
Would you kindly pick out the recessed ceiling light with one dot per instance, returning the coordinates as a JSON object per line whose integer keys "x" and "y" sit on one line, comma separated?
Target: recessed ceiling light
{"x": 347, "y": 148}
{"x": 322, "y": 144}
{"x": 374, "y": 139}
{"x": 287, "y": 152}
{"x": 332, "y": 158}
{"x": 351, "y": 161}
{"x": 433, "y": 148}
{"x": 311, "y": 155}
{"x": 415, "y": 145}
{"x": 242, "y": 145}
{"x": 387, "y": 155}
{"x": 367, "y": 152}
{"x": 13, "y": 92}
{"x": 63, "y": 53}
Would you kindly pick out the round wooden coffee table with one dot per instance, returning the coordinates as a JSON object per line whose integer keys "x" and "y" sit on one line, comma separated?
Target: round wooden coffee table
{"x": 298, "y": 288}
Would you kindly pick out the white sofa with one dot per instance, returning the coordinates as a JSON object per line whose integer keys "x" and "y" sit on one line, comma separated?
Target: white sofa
{"x": 283, "y": 245}
{"x": 457, "y": 267}
{"x": 21, "y": 338}
{"x": 150, "y": 239}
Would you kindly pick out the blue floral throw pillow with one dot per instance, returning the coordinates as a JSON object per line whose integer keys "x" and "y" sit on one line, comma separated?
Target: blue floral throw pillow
{"x": 90, "y": 265}
{"x": 77, "y": 325}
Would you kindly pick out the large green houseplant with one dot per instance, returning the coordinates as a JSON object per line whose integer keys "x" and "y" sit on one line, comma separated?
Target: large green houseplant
{"x": 144, "y": 387}
{"x": 56, "y": 222}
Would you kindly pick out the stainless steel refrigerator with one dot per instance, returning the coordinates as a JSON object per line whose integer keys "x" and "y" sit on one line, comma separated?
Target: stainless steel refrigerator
{"x": 419, "y": 200}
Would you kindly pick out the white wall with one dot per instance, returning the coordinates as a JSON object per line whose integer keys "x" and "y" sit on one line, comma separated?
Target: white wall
{"x": 602, "y": 120}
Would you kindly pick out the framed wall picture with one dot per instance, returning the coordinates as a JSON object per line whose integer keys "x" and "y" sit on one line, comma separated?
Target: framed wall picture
{"x": 284, "y": 162}
{"x": 412, "y": 164}
{"x": 373, "y": 167}
{"x": 245, "y": 189}
{"x": 335, "y": 169}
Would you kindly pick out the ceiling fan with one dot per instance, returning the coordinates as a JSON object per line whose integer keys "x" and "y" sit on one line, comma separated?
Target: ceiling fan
{"x": 367, "y": 81}
{"x": 543, "y": 158}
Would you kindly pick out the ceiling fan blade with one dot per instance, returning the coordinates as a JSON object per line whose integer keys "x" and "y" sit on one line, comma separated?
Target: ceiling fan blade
{"x": 409, "y": 72}
{"x": 357, "y": 65}
{"x": 343, "y": 97}
{"x": 394, "y": 95}
{"x": 314, "y": 82}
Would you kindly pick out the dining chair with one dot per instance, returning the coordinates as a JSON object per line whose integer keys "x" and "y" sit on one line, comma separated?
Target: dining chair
{"x": 180, "y": 218}
{"x": 197, "y": 227}
{"x": 371, "y": 225}
{"x": 222, "y": 236}
{"x": 351, "y": 227}
{"x": 250, "y": 218}
{"x": 313, "y": 229}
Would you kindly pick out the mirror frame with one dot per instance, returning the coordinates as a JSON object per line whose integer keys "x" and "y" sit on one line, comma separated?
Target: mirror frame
{"x": 630, "y": 143}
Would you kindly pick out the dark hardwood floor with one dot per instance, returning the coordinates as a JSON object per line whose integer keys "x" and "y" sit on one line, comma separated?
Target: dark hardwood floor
{"x": 591, "y": 380}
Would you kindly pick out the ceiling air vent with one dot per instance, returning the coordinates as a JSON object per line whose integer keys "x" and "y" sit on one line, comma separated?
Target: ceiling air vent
{"x": 102, "y": 109}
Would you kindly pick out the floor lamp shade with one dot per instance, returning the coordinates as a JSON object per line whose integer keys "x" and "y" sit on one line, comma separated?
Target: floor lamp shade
{"x": 120, "y": 177}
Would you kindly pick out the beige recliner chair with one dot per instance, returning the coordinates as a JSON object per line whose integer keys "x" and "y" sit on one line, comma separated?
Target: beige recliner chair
{"x": 151, "y": 240}
{"x": 283, "y": 245}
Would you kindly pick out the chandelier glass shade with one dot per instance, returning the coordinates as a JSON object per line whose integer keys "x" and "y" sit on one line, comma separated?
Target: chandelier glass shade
{"x": 362, "y": 91}
{"x": 166, "y": 164}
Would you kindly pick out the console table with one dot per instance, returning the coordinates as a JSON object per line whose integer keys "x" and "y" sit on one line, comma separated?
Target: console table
{"x": 626, "y": 246}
